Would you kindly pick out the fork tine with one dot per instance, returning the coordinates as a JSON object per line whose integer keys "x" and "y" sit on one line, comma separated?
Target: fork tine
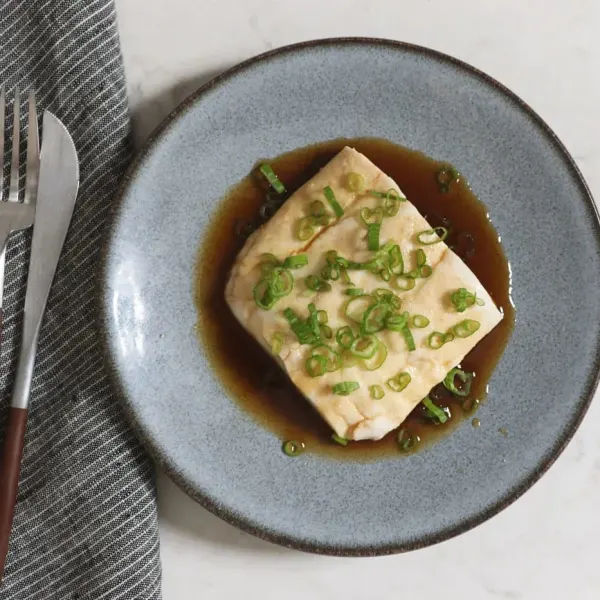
{"x": 13, "y": 194}
{"x": 33, "y": 152}
{"x": 2, "y": 116}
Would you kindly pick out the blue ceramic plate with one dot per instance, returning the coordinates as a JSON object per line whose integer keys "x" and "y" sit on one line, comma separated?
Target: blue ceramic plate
{"x": 297, "y": 96}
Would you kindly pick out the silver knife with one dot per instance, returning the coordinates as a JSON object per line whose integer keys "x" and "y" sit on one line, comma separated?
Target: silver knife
{"x": 57, "y": 192}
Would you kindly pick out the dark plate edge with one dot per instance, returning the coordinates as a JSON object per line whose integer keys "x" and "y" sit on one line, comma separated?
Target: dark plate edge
{"x": 151, "y": 445}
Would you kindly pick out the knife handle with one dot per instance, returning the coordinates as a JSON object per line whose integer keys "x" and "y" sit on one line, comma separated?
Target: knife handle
{"x": 10, "y": 468}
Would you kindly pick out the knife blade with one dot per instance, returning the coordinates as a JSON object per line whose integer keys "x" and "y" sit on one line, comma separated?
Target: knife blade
{"x": 57, "y": 193}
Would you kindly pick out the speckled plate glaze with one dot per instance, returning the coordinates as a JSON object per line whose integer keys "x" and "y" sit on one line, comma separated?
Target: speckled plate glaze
{"x": 296, "y": 96}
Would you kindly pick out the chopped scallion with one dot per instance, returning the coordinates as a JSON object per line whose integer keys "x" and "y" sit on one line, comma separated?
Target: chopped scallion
{"x": 465, "y": 378}
{"x": 339, "y": 440}
{"x": 439, "y": 414}
{"x": 295, "y": 262}
{"x": 316, "y": 365}
{"x": 345, "y": 388}
{"x": 330, "y": 197}
{"x": 345, "y": 337}
{"x": 410, "y": 341}
{"x": 436, "y": 340}
{"x": 364, "y": 346}
{"x": 466, "y": 328}
{"x": 432, "y": 236}
{"x": 407, "y": 442}
{"x": 273, "y": 180}
{"x": 293, "y": 448}
{"x": 419, "y": 321}
{"x": 306, "y": 228}
{"x": 355, "y": 182}
{"x": 380, "y": 356}
{"x": 373, "y": 230}
{"x": 377, "y": 392}
{"x": 446, "y": 176}
{"x": 399, "y": 382}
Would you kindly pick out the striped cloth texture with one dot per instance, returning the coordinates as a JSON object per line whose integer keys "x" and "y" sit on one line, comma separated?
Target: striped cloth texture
{"x": 85, "y": 523}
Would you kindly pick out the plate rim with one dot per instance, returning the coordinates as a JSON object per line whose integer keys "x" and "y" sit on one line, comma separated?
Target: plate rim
{"x": 128, "y": 407}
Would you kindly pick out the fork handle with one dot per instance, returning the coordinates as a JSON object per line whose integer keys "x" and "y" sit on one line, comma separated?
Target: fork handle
{"x": 10, "y": 467}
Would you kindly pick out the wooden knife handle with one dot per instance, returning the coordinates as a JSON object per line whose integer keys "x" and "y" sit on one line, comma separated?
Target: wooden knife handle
{"x": 10, "y": 468}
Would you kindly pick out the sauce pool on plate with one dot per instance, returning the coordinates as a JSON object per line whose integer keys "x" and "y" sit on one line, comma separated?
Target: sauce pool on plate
{"x": 251, "y": 375}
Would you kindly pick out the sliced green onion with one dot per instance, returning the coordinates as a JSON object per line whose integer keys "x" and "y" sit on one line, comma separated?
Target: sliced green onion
{"x": 380, "y": 356}
{"x": 374, "y": 318}
{"x": 396, "y": 260}
{"x": 405, "y": 283}
{"x": 399, "y": 382}
{"x": 330, "y": 197}
{"x": 410, "y": 341}
{"x": 466, "y": 328}
{"x": 315, "y": 283}
{"x": 355, "y": 292}
{"x": 391, "y": 204}
{"x": 342, "y": 262}
{"x": 463, "y": 299}
{"x": 355, "y": 307}
{"x": 395, "y": 323}
{"x": 436, "y": 340}
{"x": 425, "y": 271}
{"x": 331, "y": 257}
{"x": 316, "y": 365}
{"x": 448, "y": 337}
{"x": 364, "y": 346}
{"x": 322, "y": 317}
{"x": 373, "y": 230}
{"x": 407, "y": 444}
{"x": 377, "y": 392}
{"x": 293, "y": 448}
{"x": 345, "y": 388}
{"x": 369, "y": 216}
{"x": 283, "y": 282}
{"x": 331, "y": 271}
{"x": 391, "y": 193}
{"x": 295, "y": 262}
{"x": 344, "y": 337}
{"x": 307, "y": 331}
{"x": 432, "y": 236}
{"x": 466, "y": 378}
{"x": 436, "y": 411}
{"x": 326, "y": 332}
{"x": 355, "y": 182}
{"x": 445, "y": 176}
{"x": 306, "y": 228}
{"x": 340, "y": 440}
{"x": 317, "y": 208}
{"x": 273, "y": 180}
{"x": 277, "y": 342}
{"x": 263, "y": 295}
{"x": 332, "y": 358}
{"x": 421, "y": 258}
{"x": 420, "y": 321}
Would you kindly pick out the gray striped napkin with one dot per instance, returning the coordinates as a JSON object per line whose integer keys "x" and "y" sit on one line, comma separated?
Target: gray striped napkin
{"x": 85, "y": 524}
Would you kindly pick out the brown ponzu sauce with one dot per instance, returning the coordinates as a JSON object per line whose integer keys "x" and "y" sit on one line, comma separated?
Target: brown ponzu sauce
{"x": 251, "y": 375}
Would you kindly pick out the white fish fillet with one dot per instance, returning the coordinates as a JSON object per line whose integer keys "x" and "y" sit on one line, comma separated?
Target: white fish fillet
{"x": 358, "y": 416}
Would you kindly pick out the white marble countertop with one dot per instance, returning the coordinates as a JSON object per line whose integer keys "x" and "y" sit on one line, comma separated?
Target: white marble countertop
{"x": 548, "y": 51}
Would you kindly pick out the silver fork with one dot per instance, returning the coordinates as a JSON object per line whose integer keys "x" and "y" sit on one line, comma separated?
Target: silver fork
{"x": 16, "y": 215}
